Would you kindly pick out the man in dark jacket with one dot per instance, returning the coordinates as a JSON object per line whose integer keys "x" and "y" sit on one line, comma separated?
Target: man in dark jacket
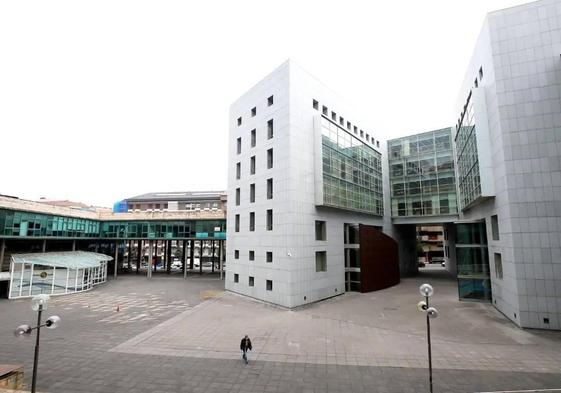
{"x": 245, "y": 345}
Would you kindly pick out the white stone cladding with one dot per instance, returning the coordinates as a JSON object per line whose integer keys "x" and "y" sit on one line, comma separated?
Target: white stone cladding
{"x": 292, "y": 240}
{"x": 519, "y": 53}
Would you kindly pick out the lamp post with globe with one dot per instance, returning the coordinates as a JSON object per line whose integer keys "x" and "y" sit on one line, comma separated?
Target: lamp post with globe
{"x": 426, "y": 290}
{"x": 39, "y": 303}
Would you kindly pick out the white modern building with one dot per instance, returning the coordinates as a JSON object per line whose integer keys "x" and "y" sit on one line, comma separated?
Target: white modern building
{"x": 507, "y": 141}
{"x": 304, "y": 172}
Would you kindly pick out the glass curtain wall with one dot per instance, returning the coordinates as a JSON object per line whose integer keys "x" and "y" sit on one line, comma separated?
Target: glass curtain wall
{"x": 422, "y": 175}
{"x": 29, "y": 279}
{"x": 472, "y": 259}
{"x": 352, "y": 171}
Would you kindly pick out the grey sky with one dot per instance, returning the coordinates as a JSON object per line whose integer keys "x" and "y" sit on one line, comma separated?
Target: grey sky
{"x": 103, "y": 100}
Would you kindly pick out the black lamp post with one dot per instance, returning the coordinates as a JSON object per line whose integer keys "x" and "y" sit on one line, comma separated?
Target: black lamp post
{"x": 431, "y": 312}
{"x": 39, "y": 303}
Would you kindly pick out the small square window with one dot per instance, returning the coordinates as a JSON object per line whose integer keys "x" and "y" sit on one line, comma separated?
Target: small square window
{"x": 269, "y": 285}
{"x": 236, "y": 277}
{"x": 252, "y": 221}
{"x": 238, "y": 170}
{"x": 270, "y": 220}
{"x": 321, "y": 261}
{"x": 495, "y": 227}
{"x": 237, "y": 228}
{"x": 324, "y": 110}
{"x": 476, "y": 84}
{"x": 251, "y": 281}
{"x": 269, "y": 256}
{"x": 252, "y": 165}
{"x": 238, "y": 196}
{"x": 236, "y": 254}
{"x": 498, "y": 265}
{"x": 377, "y": 143}
{"x": 269, "y": 158}
{"x": 253, "y": 137}
{"x": 315, "y": 104}
{"x": 270, "y": 188}
{"x": 239, "y": 121}
{"x": 270, "y": 130}
{"x": 253, "y": 111}
{"x": 341, "y": 121}
{"x": 480, "y": 73}
{"x": 252, "y": 255}
{"x": 239, "y": 147}
{"x": 320, "y": 230}
{"x": 270, "y": 101}
{"x": 333, "y": 116}
{"x": 252, "y": 193}
{"x": 349, "y": 125}
{"x": 361, "y": 134}
{"x": 355, "y": 129}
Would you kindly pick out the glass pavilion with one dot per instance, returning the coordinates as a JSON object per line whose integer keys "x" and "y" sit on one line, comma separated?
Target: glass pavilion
{"x": 56, "y": 273}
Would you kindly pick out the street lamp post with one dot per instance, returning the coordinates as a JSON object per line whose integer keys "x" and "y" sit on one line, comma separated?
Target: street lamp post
{"x": 39, "y": 303}
{"x": 426, "y": 290}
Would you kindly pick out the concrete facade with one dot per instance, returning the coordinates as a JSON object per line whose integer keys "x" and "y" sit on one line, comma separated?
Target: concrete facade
{"x": 298, "y": 104}
{"x": 514, "y": 80}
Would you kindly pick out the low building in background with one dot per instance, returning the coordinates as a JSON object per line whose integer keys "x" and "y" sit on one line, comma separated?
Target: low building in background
{"x": 171, "y": 201}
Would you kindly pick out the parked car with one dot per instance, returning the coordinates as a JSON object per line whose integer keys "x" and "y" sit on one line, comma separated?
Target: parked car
{"x": 437, "y": 260}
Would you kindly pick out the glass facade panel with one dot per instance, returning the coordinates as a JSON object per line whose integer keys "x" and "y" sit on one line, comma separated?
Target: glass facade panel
{"x": 352, "y": 171}
{"x": 422, "y": 174}
{"x": 472, "y": 258}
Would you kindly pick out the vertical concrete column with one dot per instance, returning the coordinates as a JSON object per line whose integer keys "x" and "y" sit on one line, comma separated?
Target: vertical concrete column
{"x": 168, "y": 256}
{"x": 222, "y": 255}
{"x": 213, "y": 251}
{"x": 192, "y": 254}
{"x": 44, "y": 245}
{"x": 116, "y": 259}
{"x": 202, "y": 243}
{"x": 2, "y": 249}
{"x": 73, "y": 245}
{"x": 183, "y": 259}
{"x": 138, "y": 255}
{"x": 149, "y": 266}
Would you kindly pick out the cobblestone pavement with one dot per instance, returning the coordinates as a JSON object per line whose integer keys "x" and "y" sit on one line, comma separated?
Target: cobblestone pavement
{"x": 171, "y": 335}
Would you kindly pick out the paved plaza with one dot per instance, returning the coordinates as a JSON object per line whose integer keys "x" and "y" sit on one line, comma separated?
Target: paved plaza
{"x": 175, "y": 335}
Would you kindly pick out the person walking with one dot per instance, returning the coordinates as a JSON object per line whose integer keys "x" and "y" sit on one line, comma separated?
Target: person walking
{"x": 245, "y": 346}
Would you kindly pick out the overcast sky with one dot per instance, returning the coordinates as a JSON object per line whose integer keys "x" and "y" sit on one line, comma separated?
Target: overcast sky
{"x": 103, "y": 100}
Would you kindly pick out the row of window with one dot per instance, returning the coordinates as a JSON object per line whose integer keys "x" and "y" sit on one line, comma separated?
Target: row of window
{"x": 251, "y": 255}
{"x": 251, "y": 282}
{"x": 253, "y": 136}
{"x": 268, "y": 225}
{"x": 355, "y": 129}
{"x": 252, "y": 192}
{"x": 270, "y": 102}
{"x": 321, "y": 259}
{"x": 252, "y": 164}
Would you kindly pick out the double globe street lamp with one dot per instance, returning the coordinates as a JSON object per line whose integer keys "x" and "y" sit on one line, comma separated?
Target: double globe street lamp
{"x": 39, "y": 303}
{"x": 431, "y": 312}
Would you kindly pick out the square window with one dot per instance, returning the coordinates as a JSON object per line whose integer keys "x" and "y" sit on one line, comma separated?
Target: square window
{"x": 495, "y": 227}
{"x": 321, "y": 261}
{"x": 253, "y": 111}
{"x": 269, "y": 256}
{"x": 324, "y": 110}
{"x": 341, "y": 121}
{"x": 270, "y": 188}
{"x": 238, "y": 170}
{"x": 252, "y": 221}
{"x": 236, "y": 277}
{"x": 253, "y": 137}
{"x": 239, "y": 121}
{"x": 333, "y": 116}
{"x": 238, "y": 193}
{"x": 349, "y": 125}
{"x": 367, "y": 137}
{"x": 239, "y": 148}
{"x": 498, "y": 265}
{"x": 236, "y": 254}
{"x": 252, "y": 165}
{"x": 480, "y": 73}
{"x": 270, "y": 219}
{"x": 252, "y": 193}
{"x": 320, "y": 230}
{"x": 355, "y": 129}
{"x": 377, "y": 143}
{"x": 269, "y": 285}
{"x": 269, "y": 158}
{"x": 361, "y": 134}
{"x": 270, "y": 129}
{"x": 315, "y": 104}
{"x": 252, "y": 255}
{"x": 237, "y": 227}
{"x": 476, "y": 83}
{"x": 270, "y": 101}
{"x": 251, "y": 281}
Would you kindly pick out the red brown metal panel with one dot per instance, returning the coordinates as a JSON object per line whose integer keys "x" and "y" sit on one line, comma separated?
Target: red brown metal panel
{"x": 379, "y": 261}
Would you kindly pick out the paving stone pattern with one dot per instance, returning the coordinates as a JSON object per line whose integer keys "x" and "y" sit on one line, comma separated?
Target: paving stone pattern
{"x": 167, "y": 338}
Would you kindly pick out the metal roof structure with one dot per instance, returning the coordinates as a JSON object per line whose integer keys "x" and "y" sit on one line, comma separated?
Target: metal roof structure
{"x": 65, "y": 259}
{"x": 178, "y": 196}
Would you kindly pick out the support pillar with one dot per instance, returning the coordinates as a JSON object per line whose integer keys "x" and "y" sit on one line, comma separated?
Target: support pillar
{"x": 222, "y": 258}
{"x": 201, "y": 242}
{"x": 116, "y": 259}
{"x": 150, "y": 261}
{"x": 153, "y": 265}
{"x": 129, "y": 256}
{"x": 168, "y": 257}
{"x": 213, "y": 251}
{"x": 73, "y": 245}
{"x": 138, "y": 255}
{"x": 192, "y": 254}
{"x": 184, "y": 259}
{"x": 44, "y": 245}
{"x": 2, "y": 250}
